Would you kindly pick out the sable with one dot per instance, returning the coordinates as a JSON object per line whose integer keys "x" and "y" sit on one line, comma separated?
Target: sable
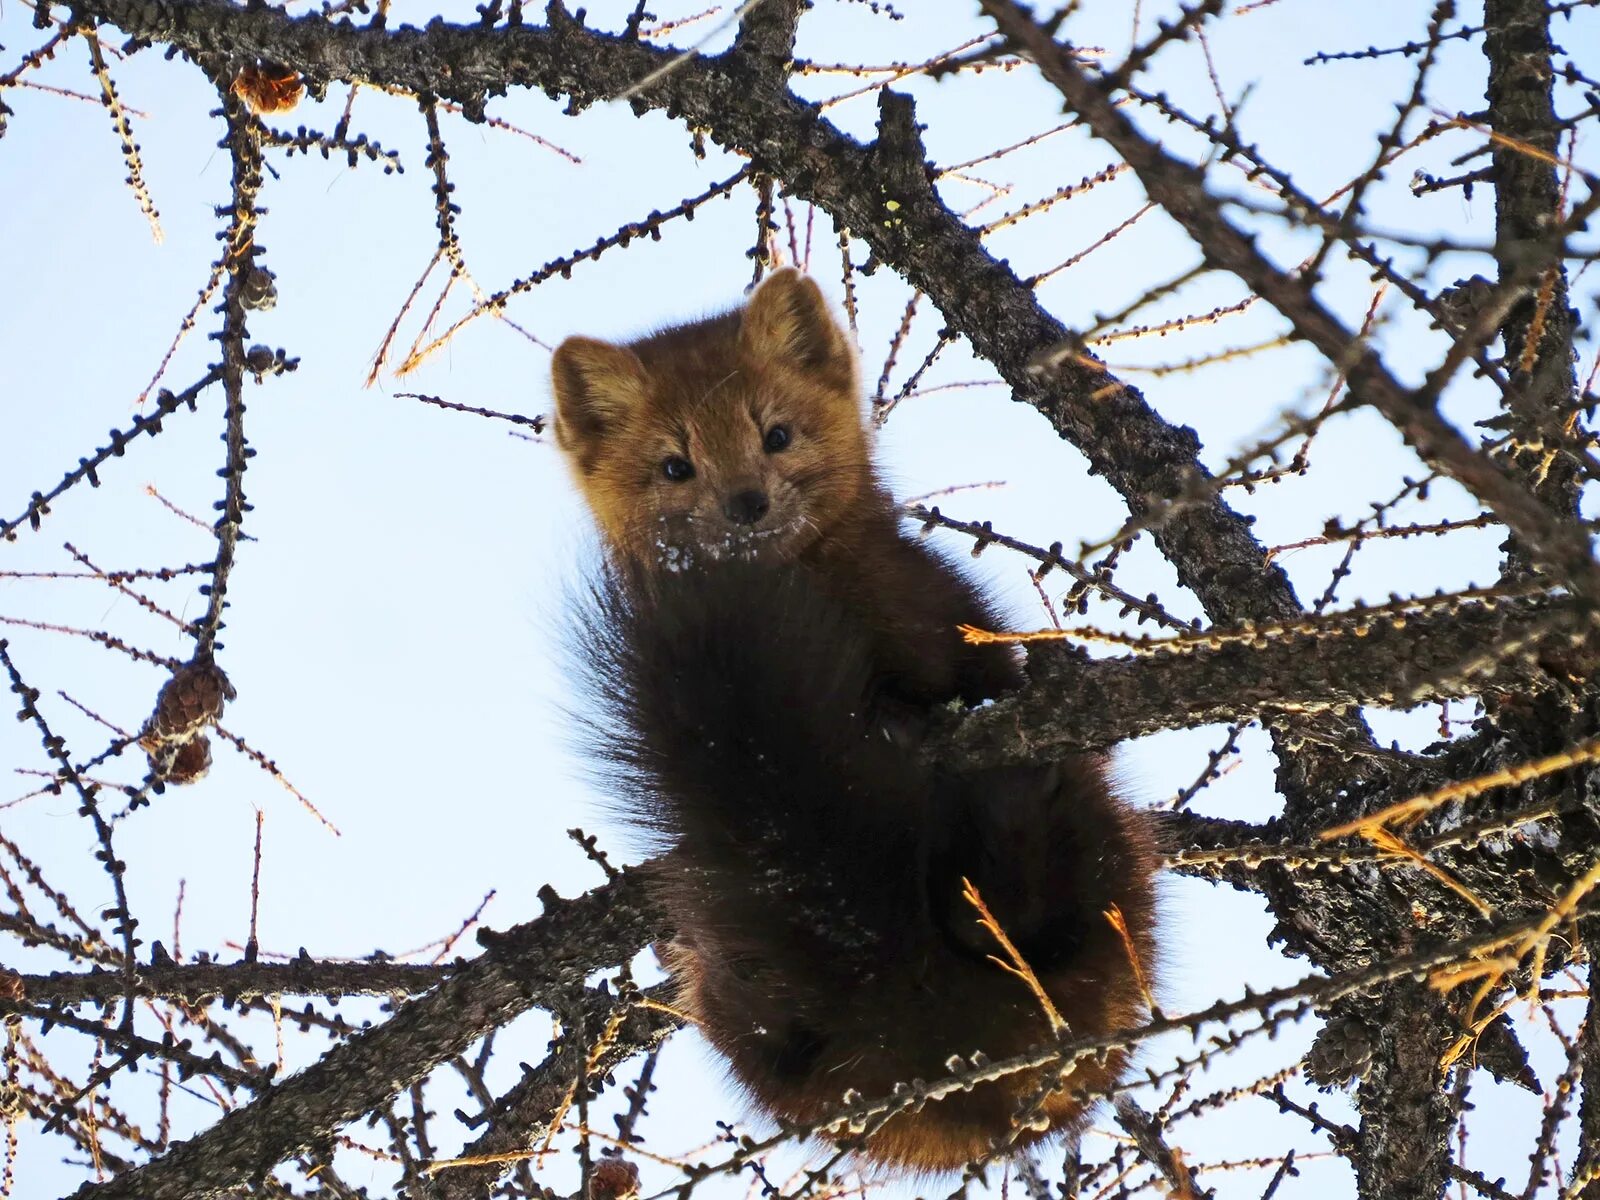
{"x": 766, "y": 651}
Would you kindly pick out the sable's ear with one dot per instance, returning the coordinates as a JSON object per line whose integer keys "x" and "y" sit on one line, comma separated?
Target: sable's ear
{"x": 787, "y": 321}
{"x": 596, "y": 384}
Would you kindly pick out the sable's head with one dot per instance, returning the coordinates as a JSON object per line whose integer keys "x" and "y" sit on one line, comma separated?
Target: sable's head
{"x": 739, "y": 435}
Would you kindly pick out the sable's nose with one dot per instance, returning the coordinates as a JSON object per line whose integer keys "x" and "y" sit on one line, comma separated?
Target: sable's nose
{"x": 746, "y": 507}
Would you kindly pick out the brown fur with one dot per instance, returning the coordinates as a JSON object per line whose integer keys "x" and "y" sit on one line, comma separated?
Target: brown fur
{"x": 803, "y": 1013}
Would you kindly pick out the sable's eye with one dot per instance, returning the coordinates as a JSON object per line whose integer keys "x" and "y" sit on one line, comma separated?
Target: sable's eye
{"x": 777, "y": 439}
{"x": 677, "y": 469}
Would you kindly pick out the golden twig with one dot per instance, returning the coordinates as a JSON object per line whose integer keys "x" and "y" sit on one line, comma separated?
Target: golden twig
{"x": 1120, "y": 924}
{"x": 1407, "y": 811}
{"x": 1017, "y": 965}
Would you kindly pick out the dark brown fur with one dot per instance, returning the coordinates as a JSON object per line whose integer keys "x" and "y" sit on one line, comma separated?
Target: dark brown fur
{"x": 768, "y": 682}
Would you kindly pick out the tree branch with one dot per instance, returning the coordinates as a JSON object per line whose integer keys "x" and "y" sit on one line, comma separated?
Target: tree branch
{"x": 202, "y": 982}
{"x": 521, "y": 969}
{"x": 1073, "y": 703}
{"x": 541, "y": 1096}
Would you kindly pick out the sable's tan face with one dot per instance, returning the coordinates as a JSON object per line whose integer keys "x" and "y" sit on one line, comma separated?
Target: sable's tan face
{"x": 737, "y": 436}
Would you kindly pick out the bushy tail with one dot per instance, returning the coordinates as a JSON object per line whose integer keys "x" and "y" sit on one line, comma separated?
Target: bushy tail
{"x": 740, "y": 702}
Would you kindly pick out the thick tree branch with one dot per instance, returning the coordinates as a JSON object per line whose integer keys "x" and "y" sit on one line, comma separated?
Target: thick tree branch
{"x": 521, "y": 969}
{"x": 1527, "y": 200}
{"x": 1074, "y": 703}
{"x": 1402, "y": 1149}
